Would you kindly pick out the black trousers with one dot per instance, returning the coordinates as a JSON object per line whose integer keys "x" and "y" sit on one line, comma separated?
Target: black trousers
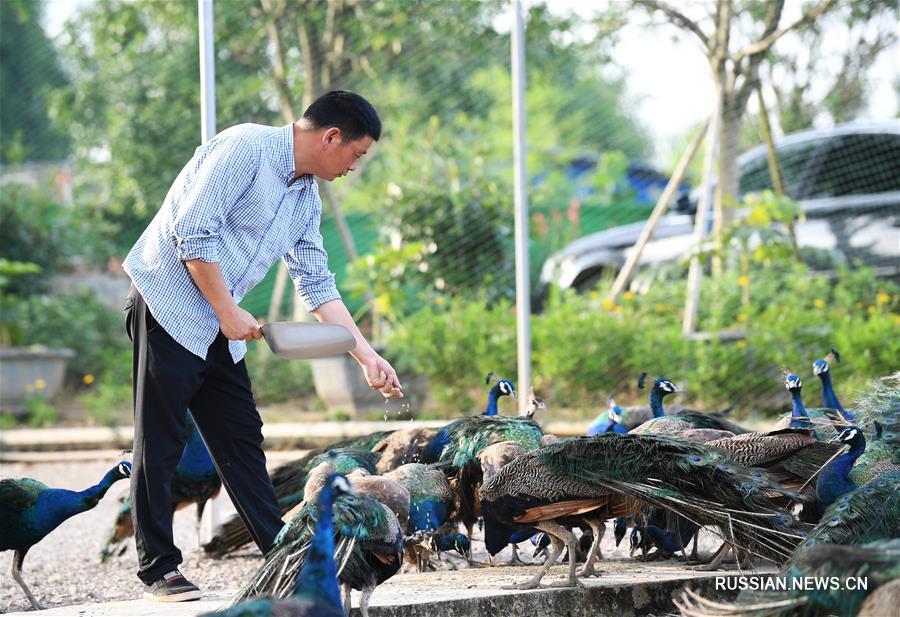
{"x": 169, "y": 380}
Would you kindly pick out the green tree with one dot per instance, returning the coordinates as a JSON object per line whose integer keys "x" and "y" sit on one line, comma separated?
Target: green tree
{"x": 29, "y": 67}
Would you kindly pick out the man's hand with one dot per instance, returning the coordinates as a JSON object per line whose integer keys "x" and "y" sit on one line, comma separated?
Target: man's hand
{"x": 381, "y": 376}
{"x": 239, "y": 325}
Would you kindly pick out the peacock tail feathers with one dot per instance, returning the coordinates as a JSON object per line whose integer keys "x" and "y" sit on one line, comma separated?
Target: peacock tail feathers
{"x": 835, "y": 571}
{"x": 871, "y": 512}
{"x": 468, "y": 437}
{"x": 362, "y": 526}
{"x": 701, "y": 484}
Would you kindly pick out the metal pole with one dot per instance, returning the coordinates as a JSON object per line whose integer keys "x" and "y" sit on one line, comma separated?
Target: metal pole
{"x": 520, "y": 181}
{"x": 207, "y": 132}
{"x": 207, "y": 71}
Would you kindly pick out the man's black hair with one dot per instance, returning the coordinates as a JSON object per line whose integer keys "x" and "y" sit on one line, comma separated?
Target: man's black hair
{"x": 347, "y": 111}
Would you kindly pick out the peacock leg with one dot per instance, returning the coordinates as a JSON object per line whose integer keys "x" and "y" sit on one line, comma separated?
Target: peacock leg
{"x": 200, "y": 507}
{"x": 514, "y": 560}
{"x": 598, "y": 528}
{"x": 18, "y": 558}
{"x": 556, "y": 549}
{"x": 473, "y": 563}
{"x": 716, "y": 560}
{"x": 364, "y": 601}
{"x": 346, "y": 589}
{"x": 571, "y": 546}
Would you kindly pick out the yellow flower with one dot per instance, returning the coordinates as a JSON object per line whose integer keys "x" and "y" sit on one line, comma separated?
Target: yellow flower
{"x": 39, "y": 384}
{"x": 628, "y": 295}
{"x": 897, "y": 319}
{"x": 742, "y": 343}
{"x": 29, "y": 388}
{"x": 859, "y": 305}
{"x": 742, "y": 317}
{"x": 882, "y": 298}
{"x": 88, "y": 379}
{"x": 617, "y": 310}
{"x": 659, "y": 307}
{"x": 608, "y": 304}
{"x": 870, "y": 310}
{"x": 819, "y": 302}
{"x": 743, "y": 281}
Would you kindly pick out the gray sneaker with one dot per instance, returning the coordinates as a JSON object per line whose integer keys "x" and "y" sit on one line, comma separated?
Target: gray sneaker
{"x": 172, "y": 587}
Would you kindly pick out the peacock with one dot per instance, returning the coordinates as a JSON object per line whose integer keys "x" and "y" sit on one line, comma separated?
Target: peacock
{"x": 609, "y": 422}
{"x": 317, "y": 592}
{"x": 461, "y": 457}
{"x": 195, "y": 481}
{"x": 820, "y": 420}
{"x": 29, "y": 510}
{"x": 431, "y": 502}
{"x": 606, "y": 476}
{"x": 822, "y": 370}
{"x": 859, "y": 535}
{"x": 684, "y": 420}
{"x": 835, "y": 479}
{"x": 289, "y": 481}
{"x": 369, "y": 542}
{"x": 667, "y": 542}
{"x": 436, "y": 445}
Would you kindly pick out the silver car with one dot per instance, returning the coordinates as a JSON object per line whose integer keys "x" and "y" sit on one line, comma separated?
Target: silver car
{"x": 846, "y": 179}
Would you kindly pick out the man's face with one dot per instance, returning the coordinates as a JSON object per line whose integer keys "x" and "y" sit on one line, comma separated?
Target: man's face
{"x": 339, "y": 158}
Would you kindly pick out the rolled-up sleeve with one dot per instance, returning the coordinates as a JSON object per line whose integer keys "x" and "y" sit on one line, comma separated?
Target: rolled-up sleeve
{"x": 307, "y": 264}
{"x": 217, "y": 182}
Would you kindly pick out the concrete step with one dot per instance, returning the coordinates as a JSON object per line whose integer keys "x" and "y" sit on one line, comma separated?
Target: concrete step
{"x": 293, "y": 435}
{"x": 625, "y": 588}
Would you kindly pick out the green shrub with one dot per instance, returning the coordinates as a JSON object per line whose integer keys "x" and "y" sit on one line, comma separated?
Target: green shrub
{"x": 584, "y": 346}
{"x": 275, "y": 380}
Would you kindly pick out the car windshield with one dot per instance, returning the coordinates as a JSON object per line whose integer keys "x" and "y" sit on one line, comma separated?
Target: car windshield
{"x": 857, "y": 165}
{"x": 794, "y": 159}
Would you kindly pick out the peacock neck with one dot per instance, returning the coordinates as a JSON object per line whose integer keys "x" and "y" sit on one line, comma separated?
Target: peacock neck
{"x": 656, "y": 404}
{"x": 799, "y": 418}
{"x": 834, "y": 480}
{"x": 493, "y": 397}
{"x": 318, "y": 577}
{"x": 829, "y": 397}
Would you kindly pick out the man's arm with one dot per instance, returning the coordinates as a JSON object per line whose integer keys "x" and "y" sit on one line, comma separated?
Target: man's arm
{"x": 379, "y": 373}
{"x": 235, "y": 322}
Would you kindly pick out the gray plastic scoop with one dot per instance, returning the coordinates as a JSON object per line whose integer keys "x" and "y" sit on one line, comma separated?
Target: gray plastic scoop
{"x": 299, "y": 340}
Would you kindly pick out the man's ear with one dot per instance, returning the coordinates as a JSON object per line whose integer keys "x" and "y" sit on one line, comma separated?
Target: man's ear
{"x": 332, "y": 135}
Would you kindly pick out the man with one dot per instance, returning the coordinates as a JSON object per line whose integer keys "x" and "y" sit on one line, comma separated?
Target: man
{"x": 246, "y": 198}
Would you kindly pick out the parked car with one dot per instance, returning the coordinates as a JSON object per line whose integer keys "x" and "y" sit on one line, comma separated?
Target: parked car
{"x": 846, "y": 179}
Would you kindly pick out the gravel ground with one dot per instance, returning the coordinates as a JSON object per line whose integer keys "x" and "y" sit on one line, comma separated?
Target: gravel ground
{"x": 65, "y": 569}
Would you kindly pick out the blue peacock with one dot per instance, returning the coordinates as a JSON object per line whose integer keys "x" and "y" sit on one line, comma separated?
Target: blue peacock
{"x": 368, "y": 537}
{"x": 683, "y": 420}
{"x": 29, "y": 510}
{"x": 820, "y": 420}
{"x": 611, "y": 421}
{"x": 195, "y": 481}
{"x": 317, "y": 592}
{"x": 435, "y": 447}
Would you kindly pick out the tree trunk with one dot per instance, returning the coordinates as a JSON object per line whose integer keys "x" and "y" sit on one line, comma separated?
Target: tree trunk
{"x": 726, "y": 195}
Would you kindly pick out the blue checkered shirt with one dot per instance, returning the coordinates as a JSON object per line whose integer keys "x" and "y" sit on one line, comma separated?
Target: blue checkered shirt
{"x": 231, "y": 204}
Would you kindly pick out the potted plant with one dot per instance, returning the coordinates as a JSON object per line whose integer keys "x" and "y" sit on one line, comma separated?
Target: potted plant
{"x": 24, "y": 370}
